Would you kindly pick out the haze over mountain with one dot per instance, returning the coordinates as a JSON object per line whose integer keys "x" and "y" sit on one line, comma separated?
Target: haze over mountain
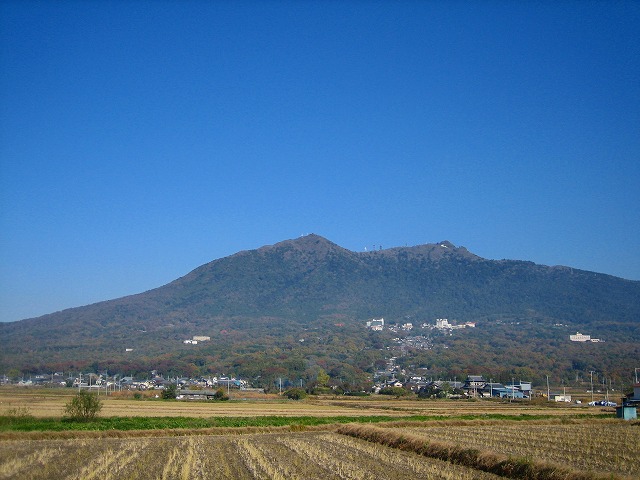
{"x": 312, "y": 283}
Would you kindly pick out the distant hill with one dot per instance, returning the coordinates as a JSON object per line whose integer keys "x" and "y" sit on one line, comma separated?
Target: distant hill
{"x": 311, "y": 283}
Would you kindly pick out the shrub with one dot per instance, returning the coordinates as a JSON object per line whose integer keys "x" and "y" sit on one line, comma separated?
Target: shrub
{"x": 322, "y": 391}
{"x": 295, "y": 394}
{"x": 397, "y": 391}
{"x": 19, "y": 412}
{"x": 84, "y": 406}
{"x": 220, "y": 395}
{"x": 356, "y": 394}
{"x": 16, "y": 415}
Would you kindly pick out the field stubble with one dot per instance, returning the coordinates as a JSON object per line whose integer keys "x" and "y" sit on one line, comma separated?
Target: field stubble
{"x": 295, "y": 455}
{"x": 50, "y": 403}
{"x": 604, "y": 446}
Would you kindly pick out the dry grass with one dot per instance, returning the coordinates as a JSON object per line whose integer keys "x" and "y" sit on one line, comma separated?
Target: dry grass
{"x": 354, "y": 458}
{"x": 484, "y": 447}
{"x": 450, "y": 450}
{"x": 50, "y": 403}
{"x": 277, "y": 456}
{"x": 43, "y": 405}
{"x": 606, "y": 446}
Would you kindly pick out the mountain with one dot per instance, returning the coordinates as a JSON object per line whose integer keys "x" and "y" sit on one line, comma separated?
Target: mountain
{"x": 310, "y": 283}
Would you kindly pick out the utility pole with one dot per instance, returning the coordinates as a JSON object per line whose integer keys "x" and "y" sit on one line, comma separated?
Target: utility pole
{"x": 591, "y": 372}
{"x": 548, "y": 393}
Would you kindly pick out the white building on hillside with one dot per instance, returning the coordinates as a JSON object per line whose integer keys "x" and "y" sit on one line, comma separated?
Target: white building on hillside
{"x": 376, "y": 324}
{"x": 579, "y": 337}
{"x": 442, "y": 323}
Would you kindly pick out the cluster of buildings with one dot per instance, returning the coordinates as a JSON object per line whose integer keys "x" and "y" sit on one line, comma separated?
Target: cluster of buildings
{"x": 474, "y": 386}
{"x": 110, "y": 383}
{"x": 158, "y": 382}
{"x": 377, "y": 324}
{"x": 443, "y": 324}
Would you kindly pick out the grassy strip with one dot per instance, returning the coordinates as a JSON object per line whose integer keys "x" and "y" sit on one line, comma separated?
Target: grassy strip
{"x": 28, "y": 423}
{"x": 486, "y": 461}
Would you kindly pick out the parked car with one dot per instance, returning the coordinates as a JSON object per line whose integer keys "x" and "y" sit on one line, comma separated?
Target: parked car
{"x": 603, "y": 403}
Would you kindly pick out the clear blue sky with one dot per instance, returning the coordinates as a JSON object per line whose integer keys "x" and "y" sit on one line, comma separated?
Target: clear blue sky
{"x": 139, "y": 140}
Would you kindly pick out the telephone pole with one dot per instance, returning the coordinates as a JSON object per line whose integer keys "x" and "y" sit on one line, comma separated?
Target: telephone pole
{"x": 548, "y": 394}
{"x": 591, "y": 372}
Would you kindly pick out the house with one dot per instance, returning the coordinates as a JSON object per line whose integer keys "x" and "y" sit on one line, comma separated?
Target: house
{"x": 634, "y": 399}
{"x": 492, "y": 389}
{"x": 473, "y": 384}
{"x": 511, "y": 392}
{"x": 524, "y": 387}
{"x": 196, "y": 395}
{"x": 394, "y": 383}
{"x": 629, "y": 408}
{"x": 228, "y": 382}
{"x": 636, "y": 392}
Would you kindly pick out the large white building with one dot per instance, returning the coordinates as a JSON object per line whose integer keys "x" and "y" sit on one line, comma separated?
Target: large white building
{"x": 443, "y": 323}
{"x": 376, "y": 324}
{"x": 579, "y": 337}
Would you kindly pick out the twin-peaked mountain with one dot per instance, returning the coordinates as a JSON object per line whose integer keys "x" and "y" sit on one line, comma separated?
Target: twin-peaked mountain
{"x": 309, "y": 282}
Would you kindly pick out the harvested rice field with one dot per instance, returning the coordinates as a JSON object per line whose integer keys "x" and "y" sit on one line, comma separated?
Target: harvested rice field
{"x": 476, "y": 449}
{"x": 305, "y": 455}
{"x": 272, "y": 438}
{"x": 45, "y": 403}
{"x": 603, "y": 446}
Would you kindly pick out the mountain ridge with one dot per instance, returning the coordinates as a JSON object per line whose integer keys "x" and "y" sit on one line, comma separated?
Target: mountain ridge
{"x": 310, "y": 282}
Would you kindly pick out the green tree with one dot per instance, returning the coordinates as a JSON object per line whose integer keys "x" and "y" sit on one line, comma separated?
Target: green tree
{"x": 84, "y": 406}
{"x": 322, "y": 378}
{"x": 397, "y": 391}
{"x": 170, "y": 392}
{"x": 295, "y": 393}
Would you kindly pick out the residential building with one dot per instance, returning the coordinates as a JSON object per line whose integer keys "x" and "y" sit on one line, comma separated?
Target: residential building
{"x": 376, "y": 324}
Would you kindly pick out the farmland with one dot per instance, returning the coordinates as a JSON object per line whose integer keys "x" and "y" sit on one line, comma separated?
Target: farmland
{"x": 329, "y": 438}
{"x": 278, "y": 456}
{"x": 50, "y": 403}
{"x": 612, "y": 447}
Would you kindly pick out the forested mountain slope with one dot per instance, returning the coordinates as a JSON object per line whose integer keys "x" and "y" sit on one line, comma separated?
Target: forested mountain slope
{"x": 311, "y": 283}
